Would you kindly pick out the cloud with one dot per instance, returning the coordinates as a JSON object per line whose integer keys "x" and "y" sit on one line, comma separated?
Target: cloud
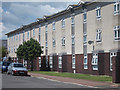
{"x": 16, "y": 14}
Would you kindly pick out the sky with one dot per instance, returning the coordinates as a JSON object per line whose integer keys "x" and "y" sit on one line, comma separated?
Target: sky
{"x": 16, "y": 14}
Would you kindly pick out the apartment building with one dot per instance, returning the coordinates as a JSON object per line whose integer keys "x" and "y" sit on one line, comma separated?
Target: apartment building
{"x": 83, "y": 38}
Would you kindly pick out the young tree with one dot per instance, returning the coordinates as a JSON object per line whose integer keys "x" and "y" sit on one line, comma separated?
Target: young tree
{"x": 30, "y": 50}
{"x": 3, "y": 51}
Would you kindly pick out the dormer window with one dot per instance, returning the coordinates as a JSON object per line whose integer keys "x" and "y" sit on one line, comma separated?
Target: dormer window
{"x": 53, "y": 26}
{"x": 63, "y": 23}
{"x": 116, "y": 8}
{"x": 84, "y": 17}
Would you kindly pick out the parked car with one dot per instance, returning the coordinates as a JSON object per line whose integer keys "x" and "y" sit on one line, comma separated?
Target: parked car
{"x": 17, "y": 69}
{"x": 5, "y": 65}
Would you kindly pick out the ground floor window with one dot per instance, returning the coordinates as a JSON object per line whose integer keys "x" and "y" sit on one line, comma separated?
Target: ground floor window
{"x": 51, "y": 62}
{"x": 73, "y": 61}
{"x": 95, "y": 62}
{"x": 39, "y": 61}
{"x": 46, "y": 61}
{"x": 85, "y": 62}
{"x": 60, "y": 61}
{"x": 111, "y": 55}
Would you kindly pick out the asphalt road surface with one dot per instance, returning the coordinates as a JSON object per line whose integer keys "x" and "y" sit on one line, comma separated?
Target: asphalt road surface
{"x": 9, "y": 81}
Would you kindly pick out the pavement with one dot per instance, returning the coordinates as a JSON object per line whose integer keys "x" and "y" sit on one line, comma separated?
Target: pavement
{"x": 88, "y": 83}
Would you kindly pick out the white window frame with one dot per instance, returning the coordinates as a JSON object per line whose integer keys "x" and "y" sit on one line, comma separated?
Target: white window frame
{"x": 53, "y": 26}
{"x": 33, "y": 32}
{"x": 54, "y": 43}
{"x": 46, "y": 43}
{"x": 73, "y": 61}
{"x": 116, "y": 8}
{"x": 85, "y": 19}
{"x": 95, "y": 61}
{"x": 28, "y": 35}
{"x": 60, "y": 61}
{"x": 73, "y": 40}
{"x": 73, "y": 20}
{"x": 98, "y": 12}
{"x": 63, "y": 23}
{"x": 117, "y": 32}
{"x": 85, "y": 64}
{"x": 19, "y": 37}
{"x": 85, "y": 41}
{"x": 51, "y": 62}
{"x": 111, "y": 55}
{"x": 98, "y": 35}
{"x": 39, "y": 61}
{"x": 63, "y": 41}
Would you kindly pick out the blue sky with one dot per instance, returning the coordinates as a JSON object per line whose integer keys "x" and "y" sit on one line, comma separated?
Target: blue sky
{"x": 16, "y": 14}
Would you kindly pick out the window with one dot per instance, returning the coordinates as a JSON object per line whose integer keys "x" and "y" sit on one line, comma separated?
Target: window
{"x": 53, "y": 26}
{"x": 60, "y": 61}
{"x": 23, "y": 36}
{"x": 39, "y": 29}
{"x": 51, "y": 62}
{"x": 95, "y": 62}
{"x": 63, "y": 41}
{"x": 111, "y": 55}
{"x": 73, "y": 40}
{"x": 46, "y": 28}
{"x": 73, "y": 21}
{"x": 117, "y": 32}
{"x": 28, "y": 35}
{"x": 46, "y": 44}
{"x": 46, "y": 61}
{"x": 85, "y": 39}
{"x": 19, "y": 37}
{"x": 98, "y": 35}
{"x": 16, "y": 37}
{"x": 84, "y": 17}
{"x": 85, "y": 62}
{"x": 39, "y": 61}
{"x": 73, "y": 61}
{"x": 98, "y": 12}
{"x": 54, "y": 43}
{"x": 63, "y": 23}
{"x": 116, "y": 8}
{"x": 33, "y": 32}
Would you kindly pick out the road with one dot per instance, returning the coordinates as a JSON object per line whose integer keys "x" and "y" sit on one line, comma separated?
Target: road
{"x": 9, "y": 81}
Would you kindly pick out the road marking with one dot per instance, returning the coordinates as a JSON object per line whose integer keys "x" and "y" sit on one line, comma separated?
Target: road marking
{"x": 64, "y": 82}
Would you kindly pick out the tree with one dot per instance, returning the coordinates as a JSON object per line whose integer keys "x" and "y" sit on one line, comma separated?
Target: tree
{"x": 30, "y": 50}
{"x": 3, "y": 51}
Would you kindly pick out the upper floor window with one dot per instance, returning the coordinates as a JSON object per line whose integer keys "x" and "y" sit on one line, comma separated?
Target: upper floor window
{"x": 85, "y": 39}
{"x": 46, "y": 28}
{"x": 39, "y": 29}
{"x": 63, "y": 41}
{"x": 19, "y": 37}
{"x": 53, "y": 25}
{"x": 116, "y": 8}
{"x": 28, "y": 35}
{"x": 98, "y": 35}
{"x": 84, "y": 17}
{"x": 98, "y": 12}
{"x": 73, "y": 20}
{"x": 23, "y": 36}
{"x": 54, "y": 43}
{"x": 117, "y": 32}
{"x": 95, "y": 62}
{"x": 73, "y": 40}
{"x": 33, "y": 32}
{"x": 63, "y": 23}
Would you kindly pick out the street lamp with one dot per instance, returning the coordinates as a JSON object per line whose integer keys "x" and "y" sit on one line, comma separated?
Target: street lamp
{"x": 91, "y": 42}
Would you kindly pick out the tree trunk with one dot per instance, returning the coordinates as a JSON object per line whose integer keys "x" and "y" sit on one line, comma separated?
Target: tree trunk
{"x": 31, "y": 64}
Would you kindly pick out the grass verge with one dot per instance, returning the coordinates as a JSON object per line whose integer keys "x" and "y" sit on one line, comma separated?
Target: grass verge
{"x": 76, "y": 76}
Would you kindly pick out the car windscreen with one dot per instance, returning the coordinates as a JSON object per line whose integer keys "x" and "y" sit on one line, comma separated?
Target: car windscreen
{"x": 18, "y": 65}
{"x": 5, "y": 63}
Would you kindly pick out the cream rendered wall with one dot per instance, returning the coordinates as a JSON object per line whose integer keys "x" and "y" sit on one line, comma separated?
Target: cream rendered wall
{"x": 79, "y": 34}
